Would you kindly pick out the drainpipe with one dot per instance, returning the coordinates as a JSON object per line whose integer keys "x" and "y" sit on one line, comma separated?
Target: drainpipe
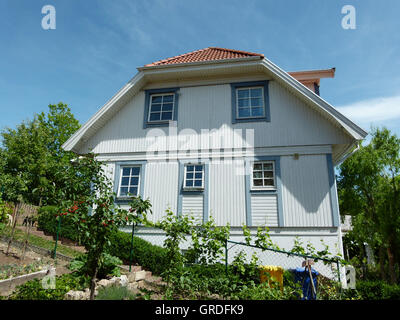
{"x": 349, "y": 154}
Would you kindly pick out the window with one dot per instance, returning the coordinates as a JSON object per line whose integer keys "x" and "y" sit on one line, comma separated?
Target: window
{"x": 161, "y": 107}
{"x": 263, "y": 175}
{"x": 194, "y": 176}
{"x": 250, "y": 101}
{"x": 129, "y": 181}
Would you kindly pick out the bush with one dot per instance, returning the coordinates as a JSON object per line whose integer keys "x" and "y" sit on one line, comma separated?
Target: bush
{"x": 109, "y": 266}
{"x": 115, "y": 292}
{"x": 47, "y": 222}
{"x": 33, "y": 290}
{"x": 377, "y": 290}
{"x": 145, "y": 254}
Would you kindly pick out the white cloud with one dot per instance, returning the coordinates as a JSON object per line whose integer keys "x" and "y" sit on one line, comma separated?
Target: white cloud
{"x": 378, "y": 111}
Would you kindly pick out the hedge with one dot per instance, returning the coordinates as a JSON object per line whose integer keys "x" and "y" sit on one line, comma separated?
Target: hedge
{"x": 145, "y": 254}
{"x": 377, "y": 290}
{"x": 149, "y": 256}
{"x": 47, "y": 222}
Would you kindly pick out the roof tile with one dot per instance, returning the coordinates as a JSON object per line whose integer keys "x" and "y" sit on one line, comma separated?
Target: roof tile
{"x": 207, "y": 54}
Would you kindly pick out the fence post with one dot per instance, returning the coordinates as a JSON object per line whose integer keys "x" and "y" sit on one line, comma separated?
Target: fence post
{"x": 226, "y": 257}
{"x": 58, "y": 230}
{"x": 131, "y": 250}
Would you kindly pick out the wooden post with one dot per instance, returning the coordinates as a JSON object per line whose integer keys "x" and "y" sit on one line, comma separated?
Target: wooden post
{"x": 16, "y": 210}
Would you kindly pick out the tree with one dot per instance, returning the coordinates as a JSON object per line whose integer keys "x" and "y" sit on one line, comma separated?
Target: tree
{"x": 33, "y": 164}
{"x": 369, "y": 186}
{"x": 96, "y": 214}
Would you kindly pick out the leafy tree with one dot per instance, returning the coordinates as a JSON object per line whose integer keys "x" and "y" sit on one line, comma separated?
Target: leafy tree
{"x": 33, "y": 164}
{"x": 369, "y": 187}
{"x": 97, "y": 216}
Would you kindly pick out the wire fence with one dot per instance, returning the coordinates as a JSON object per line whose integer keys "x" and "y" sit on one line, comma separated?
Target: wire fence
{"x": 329, "y": 268}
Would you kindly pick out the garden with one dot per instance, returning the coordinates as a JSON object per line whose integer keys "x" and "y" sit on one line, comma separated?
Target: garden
{"x": 78, "y": 232}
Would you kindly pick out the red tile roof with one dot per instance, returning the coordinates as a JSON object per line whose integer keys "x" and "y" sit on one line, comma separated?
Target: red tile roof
{"x": 207, "y": 54}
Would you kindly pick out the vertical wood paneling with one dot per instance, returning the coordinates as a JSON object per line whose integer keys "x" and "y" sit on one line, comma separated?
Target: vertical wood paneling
{"x": 205, "y": 109}
{"x": 305, "y": 191}
{"x": 264, "y": 210}
{"x": 227, "y": 192}
{"x": 193, "y": 205}
{"x": 161, "y": 187}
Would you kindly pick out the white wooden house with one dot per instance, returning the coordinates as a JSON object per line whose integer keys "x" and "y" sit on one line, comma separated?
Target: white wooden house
{"x": 226, "y": 134}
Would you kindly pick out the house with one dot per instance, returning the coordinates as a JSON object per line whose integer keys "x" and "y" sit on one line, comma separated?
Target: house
{"x": 226, "y": 134}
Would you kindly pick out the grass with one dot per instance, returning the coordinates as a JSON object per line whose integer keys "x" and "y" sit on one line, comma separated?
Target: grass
{"x": 20, "y": 235}
{"x": 114, "y": 292}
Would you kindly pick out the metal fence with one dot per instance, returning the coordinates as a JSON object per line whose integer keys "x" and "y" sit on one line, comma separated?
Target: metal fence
{"x": 329, "y": 268}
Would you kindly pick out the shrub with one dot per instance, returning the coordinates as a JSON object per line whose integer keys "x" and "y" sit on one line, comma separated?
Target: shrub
{"x": 109, "y": 266}
{"x": 33, "y": 290}
{"x": 115, "y": 292}
{"x": 145, "y": 254}
{"x": 377, "y": 290}
{"x": 47, "y": 222}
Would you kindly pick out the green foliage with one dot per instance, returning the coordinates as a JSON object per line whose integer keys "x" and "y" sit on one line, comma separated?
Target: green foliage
{"x": 115, "y": 292}
{"x": 4, "y": 210}
{"x": 369, "y": 190}
{"x": 33, "y": 290}
{"x": 145, "y": 254}
{"x": 377, "y": 290}
{"x": 109, "y": 266}
{"x": 33, "y": 166}
{"x": 48, "y": 222}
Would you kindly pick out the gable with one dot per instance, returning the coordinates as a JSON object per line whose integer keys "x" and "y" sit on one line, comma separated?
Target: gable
{"x": 208, "y": 108}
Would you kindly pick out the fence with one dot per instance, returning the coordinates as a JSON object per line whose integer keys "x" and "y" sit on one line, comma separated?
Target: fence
{"x": 329, "y": 268}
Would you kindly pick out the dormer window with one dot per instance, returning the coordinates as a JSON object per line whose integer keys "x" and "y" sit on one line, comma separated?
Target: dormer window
{"x": 250, "y": 101}
{"x": 161, "y": 107}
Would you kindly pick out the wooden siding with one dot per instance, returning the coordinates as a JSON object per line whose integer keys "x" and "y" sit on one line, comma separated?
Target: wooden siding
{"x": 193, "y": 205}
{"x": 264, "y": 210}
{"x": 305, "y": 191}
{"x": 204, "y": 114}
{"x": 161, "y": 187}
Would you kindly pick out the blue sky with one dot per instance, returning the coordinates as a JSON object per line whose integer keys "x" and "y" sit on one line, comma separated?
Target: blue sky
{"x": 98, "y": 44}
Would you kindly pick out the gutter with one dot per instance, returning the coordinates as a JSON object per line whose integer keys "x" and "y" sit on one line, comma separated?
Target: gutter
{"x": 341, "y": 160}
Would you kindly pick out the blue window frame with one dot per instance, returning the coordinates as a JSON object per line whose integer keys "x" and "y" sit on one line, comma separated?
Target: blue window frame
{"x": 250, "y": 101}
{"x": 129, "y": 180}
{"x": 161, "y": 107}
{"x": 194, "y": 176}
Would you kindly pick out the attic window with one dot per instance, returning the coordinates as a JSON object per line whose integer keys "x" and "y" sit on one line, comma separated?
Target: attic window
{"x": 250, "y": 101}
{"x": 161, "y": 107}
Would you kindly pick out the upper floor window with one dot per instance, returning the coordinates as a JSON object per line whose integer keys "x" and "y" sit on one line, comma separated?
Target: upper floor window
{"x": 161, "y": 107}
{"x": 194, "y": 176}
{"x": 250, "y": 101}
{"x": 263, "y": 175}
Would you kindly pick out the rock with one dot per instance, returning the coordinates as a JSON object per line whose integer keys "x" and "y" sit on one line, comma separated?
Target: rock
{"x": 137, "y": 276}
{"x": 105, "y": 283}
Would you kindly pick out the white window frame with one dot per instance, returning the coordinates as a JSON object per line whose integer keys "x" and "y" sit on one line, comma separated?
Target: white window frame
{"x": 130, "y": 176}
{"x": 150, "y": 105}
{"x": 262, "y": 100}
{"x": 253, "y": 187}
{"x": 194, "y": 188}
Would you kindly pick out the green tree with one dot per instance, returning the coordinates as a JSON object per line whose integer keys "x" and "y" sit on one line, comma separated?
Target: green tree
{"x": 369, "y": 185}
{"x": 33, "y": 164}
